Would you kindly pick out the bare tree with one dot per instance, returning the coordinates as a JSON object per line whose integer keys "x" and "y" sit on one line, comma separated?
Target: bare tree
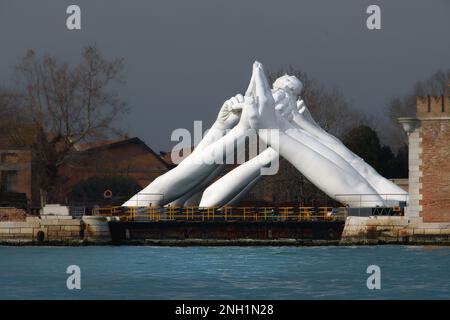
{"x": 405, "y": 106}
{"x": 67, "y": 105}
{"x": 435, "y": 85}
{"x": 11, "y": 121}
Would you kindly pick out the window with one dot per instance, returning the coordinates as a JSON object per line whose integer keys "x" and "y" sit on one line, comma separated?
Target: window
{"x": 9, "y": 157}
{"x": 9, "y": 181}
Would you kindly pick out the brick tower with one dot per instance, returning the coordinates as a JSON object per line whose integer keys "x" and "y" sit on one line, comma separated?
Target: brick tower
{"x": 429, "y": 159}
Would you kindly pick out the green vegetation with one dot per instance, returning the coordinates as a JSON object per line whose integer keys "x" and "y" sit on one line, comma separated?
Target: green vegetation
{"x": 364, "y": 142}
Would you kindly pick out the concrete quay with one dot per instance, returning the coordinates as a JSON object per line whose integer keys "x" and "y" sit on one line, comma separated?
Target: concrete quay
{"x": 394, "y": 230}
{"x": 55, "y": 230}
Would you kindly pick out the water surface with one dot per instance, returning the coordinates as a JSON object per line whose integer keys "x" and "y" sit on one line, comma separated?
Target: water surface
{"x": 128, "y": 272}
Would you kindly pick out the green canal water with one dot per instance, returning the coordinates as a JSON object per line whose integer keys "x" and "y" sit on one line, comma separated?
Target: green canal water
{"x": 128, "y": 272}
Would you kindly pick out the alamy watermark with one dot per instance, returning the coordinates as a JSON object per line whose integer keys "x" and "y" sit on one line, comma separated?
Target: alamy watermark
{"x": 73, "y": 21}
{"x": 227, "y": 147}
{"x": 73, "y": 282}
{"x": 374, "y": 280}
{"x": 373, "y": 22}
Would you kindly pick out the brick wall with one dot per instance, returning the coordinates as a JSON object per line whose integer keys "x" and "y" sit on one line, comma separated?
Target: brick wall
{"x": 131, "y": 158}
{"x": 435, "y": 170}
{"x": 18, "y": 161}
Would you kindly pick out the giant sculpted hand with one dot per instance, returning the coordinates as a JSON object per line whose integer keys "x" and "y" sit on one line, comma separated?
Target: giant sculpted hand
{"x": 200, "y": 164}
{"x": 228, "y": 117}
{"x": 261, "y": 107}
{"x": 317, "y": 168}
{"x": 230, "y": 113}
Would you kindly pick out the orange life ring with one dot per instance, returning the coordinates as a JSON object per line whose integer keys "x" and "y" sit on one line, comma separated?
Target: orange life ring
{"x": 107, "y": 194}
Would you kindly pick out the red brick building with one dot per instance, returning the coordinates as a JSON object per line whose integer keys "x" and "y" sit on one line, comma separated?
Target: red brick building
{"x": 16, "y": 161}
{"x": 429, "y": 159}
{"x": 129, "y": 157}
{"x": 15, "y": 170}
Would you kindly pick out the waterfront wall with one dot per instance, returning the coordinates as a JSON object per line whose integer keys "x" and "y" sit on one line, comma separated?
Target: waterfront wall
{"x": 394, "y": 230}
{"x": 98, "y": 230}
{"x": 51, "y": 229}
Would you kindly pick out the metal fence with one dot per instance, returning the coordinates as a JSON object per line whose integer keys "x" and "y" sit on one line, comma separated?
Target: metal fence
{"x": 77, "y": 212}
{"x": 359, "y": 200}
{"x": 225, "y": 214}
{"x": 359, "y": 204}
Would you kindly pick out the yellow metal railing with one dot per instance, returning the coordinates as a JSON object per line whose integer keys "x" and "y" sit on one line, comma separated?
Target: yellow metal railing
{"x": 110, "y": 211}
{"x": 229, "y": 214}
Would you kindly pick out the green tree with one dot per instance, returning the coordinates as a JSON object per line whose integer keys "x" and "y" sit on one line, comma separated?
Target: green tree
{"x": 402, "y": 162}
{"x": 364, "y": 141}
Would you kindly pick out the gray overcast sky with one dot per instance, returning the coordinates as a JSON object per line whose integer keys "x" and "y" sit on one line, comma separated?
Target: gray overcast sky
{"x": 185, "y": 57}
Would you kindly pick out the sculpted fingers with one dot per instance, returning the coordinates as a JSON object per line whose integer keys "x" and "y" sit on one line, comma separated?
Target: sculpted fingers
{"x": 286, "y": 112}
{"x": 300, "y": 104}
{"x": 237, "y": 107}
{"x": 251, "y": 109}
{"x": 226, "y": 105}
{"x": 237, "y": 99}
{"x": 290, "y": 117}
{"x": 251, "y": 87}
{"x": 263, "y": 91}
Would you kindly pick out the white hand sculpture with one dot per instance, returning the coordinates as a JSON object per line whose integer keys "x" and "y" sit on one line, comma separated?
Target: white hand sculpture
{"x": 228, "y": 117}
{"x": 321, "y": 171}
{"x": 301, "y": 141}
{"x": 288, "y": 88}
{"x": 237, "y": 182}
{"x": 388, "y": 190}
{"x": 284, "y": 105}
{"x": 202, "y": 164}
{"x": 230, "y": 113}
{"x": 187, "y": 197}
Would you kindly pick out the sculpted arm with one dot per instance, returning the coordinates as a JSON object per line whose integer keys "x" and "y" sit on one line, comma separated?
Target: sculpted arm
{"x": 298, "y": 119}
{"x": 200, "y": 164}
{"x": 387, "y": 189}
{"x": 236, "y": 182}
{"x": 324, "y": 173}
